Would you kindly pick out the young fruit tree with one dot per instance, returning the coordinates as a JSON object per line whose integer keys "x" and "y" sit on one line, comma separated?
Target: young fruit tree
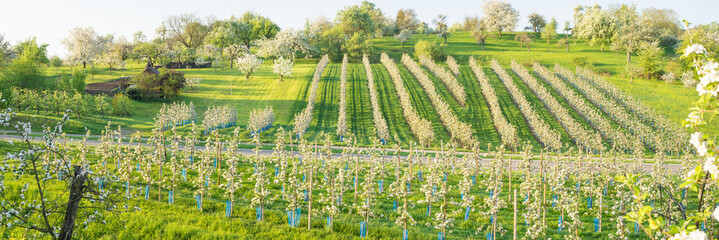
{"x": 261, "y": 191}
{"x": 31, "y": 202}
{"x": 282, "y": 67}
{"x": 248, "y": 64}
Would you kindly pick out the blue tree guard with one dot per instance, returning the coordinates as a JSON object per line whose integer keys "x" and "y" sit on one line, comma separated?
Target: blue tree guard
{"x": 306, "y": 198}
{"x": 596, "y": 224}
{"x": 554, "y": 203}
{"x": 170, "y": 197}
{"x": 290, "y": 218}
{"x": 191, "y": 160}
{"x": 636, "y": 228}
{"x": 589, "y": 203}
{"x": 434, "y": 189}
{"x": 559, "y": 225}
{"x": 419, "y": 175}
{"x": 127, "y": 187}
{"x": 198, "y": 199}
{"x": 298, "y": 215}
{"x": 277, "y": 171}
{"x": 466, "y": 213}
{"x": 408, "y": 187}
{"x": 428, "y": 208}
{"x": 228, "y": 208}
{"x": 138, "y": 167}
{"x": 363, "y": 229}
{"x": 102, "y": 183}
{"x": 474, "y": 179}
{"x": 380, "y": 186}
{"x": 260, "y": 213}
{"x": 405, "y": 235}
{"x": 489, "y": 236}
{"x": 440, "y": 236}
{"x": 147, "y": 192}
{"x": 184, "y": 174}
{"x": 215, "y": 162}
{"x": 394, "y": 206}
{"x": 329, "y": 222}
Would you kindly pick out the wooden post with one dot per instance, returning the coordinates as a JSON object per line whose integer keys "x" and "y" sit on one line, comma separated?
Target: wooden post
{"x": 544, "y": 189}
{"x": 515, "y": 214}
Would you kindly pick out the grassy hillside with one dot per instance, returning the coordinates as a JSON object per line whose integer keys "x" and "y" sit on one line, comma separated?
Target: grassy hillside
{"x": 289, "y": 97}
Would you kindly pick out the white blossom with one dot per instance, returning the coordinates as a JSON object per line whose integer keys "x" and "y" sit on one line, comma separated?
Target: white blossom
{"x": 694, "y": 48}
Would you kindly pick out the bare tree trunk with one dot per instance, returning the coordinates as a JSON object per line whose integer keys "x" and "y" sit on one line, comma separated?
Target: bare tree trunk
{"x": 73, "y": 203}
{"x": 629, "y": 57}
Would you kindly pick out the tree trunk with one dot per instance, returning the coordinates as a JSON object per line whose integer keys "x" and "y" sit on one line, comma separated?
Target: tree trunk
{"x": 482, "y": 45}
{"x": 567, "y": 46}
{"x": 445, "y": 39}
{"x": 629, "y": 57}
{"x": 73, "y": 203}
{"x": 83, "y": 64}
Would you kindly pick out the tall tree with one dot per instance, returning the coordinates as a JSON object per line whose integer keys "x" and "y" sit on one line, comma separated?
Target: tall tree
{"x": 381, "y": 23}
{"x": 537, "y": 22}
{"x": 403, "y": 36}
{"x": 83, "y": 45}
{"x": 661, "y": 22}
{"x": 596, "y": 25}
{"x": 441, "y": 27}
{"x": 285, "y": 44}
{"x": 355, "y": 19}
{"x": 549, "y": 32}
{"x": 478, "y": 28}
{"x": 188, "y": 29}
{"x": 406, "y": 19}
{"x": 6, "y": 52}
{"x": 499, "y": 15}
{"x": 630, "y": 38}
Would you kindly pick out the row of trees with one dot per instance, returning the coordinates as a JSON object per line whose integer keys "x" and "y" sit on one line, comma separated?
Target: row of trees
{"x": 477, "y": 188}
{"x": 460, "y": 131}
{"x": 56, "y": 102}
{"x": 544, "y": 133}
{"x": 304, "y": 118}
{"x": 420, "y": 127}
{"x": 507, "y": 131}
{"x": 583, "y": 137}
{"x": 380, "y": 123}
{"x": 660, "y": 123}
{"x": 616, "y": 137}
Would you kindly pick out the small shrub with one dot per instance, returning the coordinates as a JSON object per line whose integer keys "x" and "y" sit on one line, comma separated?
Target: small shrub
{"x": 580, "y": 61}
{"x": 166, "y": 85}
{"x": 428, "y": 48}
{"x": 134, "y": 93}
{"x": 669, "y": 77}
{"x": 688, "y": 79}
{"x": 121, "y": 105}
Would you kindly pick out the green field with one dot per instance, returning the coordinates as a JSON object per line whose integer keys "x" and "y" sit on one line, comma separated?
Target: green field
{"x": 289, "y": 97}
